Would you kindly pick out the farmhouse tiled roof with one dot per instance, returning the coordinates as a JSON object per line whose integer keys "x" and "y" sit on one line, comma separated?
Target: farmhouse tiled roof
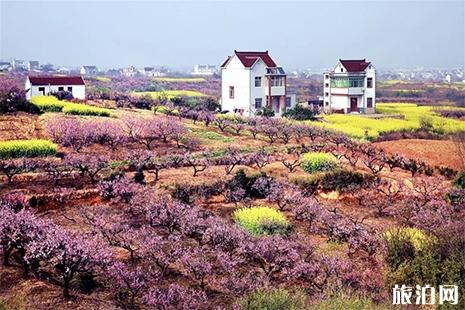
{"x": 56, "y": 80}
{"x": 248, "y": 59}
{"x": 355, "y": 65}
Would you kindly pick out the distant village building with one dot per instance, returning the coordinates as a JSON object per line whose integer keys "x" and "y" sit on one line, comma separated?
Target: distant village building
{"x": 350, "y": 87}
{"x": 63, "y": 70}
{"x": 89, "y": 70}
{"x": 205, "y": 70}
{"x": 33, "y": 65}
{"x": 148, "y": 71}
{"x": 130, "y": 71}
{"x": 251, "y": 81}
{"x": 19, "y": 65}
{"x": 45, "y": 85}
{"x": 47, "y": 68}
{"x": 5, "y": 66}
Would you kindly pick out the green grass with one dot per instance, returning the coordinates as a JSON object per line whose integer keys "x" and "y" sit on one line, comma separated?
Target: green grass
{"x": 274, "y": 299}
{"x": 258, "y": 220}
{"x": 179, "y": 79}
{"x": 103, "y": 79}
{"x": 164, "y": 110}
{"x": 170, "y": 94}
{"x": 26, "y": 148}
{"x": 212, "y": 136}
{"x": 52, "y": 104}
{"x": 348, "y": 303}
{"x": 361, "y": 127}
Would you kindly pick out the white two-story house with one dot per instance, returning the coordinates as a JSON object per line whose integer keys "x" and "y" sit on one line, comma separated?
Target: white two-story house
{"x": 350, "y": 87}
{"x": 252, "y": 80}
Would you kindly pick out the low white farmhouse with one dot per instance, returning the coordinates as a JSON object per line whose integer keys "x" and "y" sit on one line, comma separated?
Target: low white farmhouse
{"x": 350, "y": 87}
{"x": 44, "y": 85}
{"x": 252, "y": 80}
{"x": 205, "y": 70}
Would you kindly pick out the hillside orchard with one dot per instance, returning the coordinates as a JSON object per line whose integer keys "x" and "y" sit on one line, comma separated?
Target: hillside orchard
{"x": 183, "y": 208}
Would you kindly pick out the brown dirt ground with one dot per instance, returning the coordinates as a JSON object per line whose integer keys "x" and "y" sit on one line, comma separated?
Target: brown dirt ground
{"x": 434, "y": 152}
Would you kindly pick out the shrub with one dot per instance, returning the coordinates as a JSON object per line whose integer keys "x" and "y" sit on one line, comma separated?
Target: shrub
{"x": 81, "y": 109}
{"x": 309, "y": 184}
{"x": 402, "y": 244}
{"x": 26, "y": 148}
{"x": 434, "y": 259}
{"x": 459, "y": 180}
{"x": 261, "y": 220}
{"x": 301, "y": 113}
{"x": 274, "y": 299}
{"x": 318, "y": 162}
{"x": 412, "y": 257}
{"x": 265, "y": 112}
{"x": 13, "y": 96}
{"x": 343, "y": 180}
{"x": 256, "y": 185}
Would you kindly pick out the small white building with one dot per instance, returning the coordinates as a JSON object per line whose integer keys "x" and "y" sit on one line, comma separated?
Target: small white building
{"x": 252, "y": 80}
{"x": 33, "y": 65}
{"x": 350, "y": 87}
{"x": 45, "y": 85}
{"x": 5, "y": 66}
{"x": 89, "y": 70}
{"x": 130, "y": 71}
{"x": 205, "y": 70}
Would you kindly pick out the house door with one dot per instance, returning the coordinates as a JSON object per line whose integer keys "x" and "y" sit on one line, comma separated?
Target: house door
{"x": 275, "y": 104}
{"x": 353, "y": 104}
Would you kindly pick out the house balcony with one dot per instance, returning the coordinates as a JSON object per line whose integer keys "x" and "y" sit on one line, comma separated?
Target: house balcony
{"x": 276, "y": 90}
{"x": 354, "y": 91}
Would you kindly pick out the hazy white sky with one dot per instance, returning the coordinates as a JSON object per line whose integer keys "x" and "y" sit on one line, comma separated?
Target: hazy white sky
{"x": 305, "y": 34}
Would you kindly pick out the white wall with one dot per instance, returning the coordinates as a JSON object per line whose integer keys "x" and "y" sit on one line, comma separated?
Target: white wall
{"x": 370, "y": 92}
{"x": 235, "y": 75}
{"x": 339, "y": 102}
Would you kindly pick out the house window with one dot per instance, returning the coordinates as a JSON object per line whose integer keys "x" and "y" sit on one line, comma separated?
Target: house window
{"x": 369, "y": 102}
{"x": 342, "y": 69}
{"x": 258, "y": 81}
{"x": 42, "y": 90}
{"x": 70, "y": 89}
{"x": 369, "y": 82}
{"x": 326, "y": 84}
{"x": 61, "y": 88}
{"x": 258, "y": 103}
{"x": 326, "y": 94}
{"x": 326, "y": 103}
{"x": 288, "y": 102}
{"x": 356, "y": 82}
{"x": 326, "y": 76}
{"x": 231, "y": 92}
